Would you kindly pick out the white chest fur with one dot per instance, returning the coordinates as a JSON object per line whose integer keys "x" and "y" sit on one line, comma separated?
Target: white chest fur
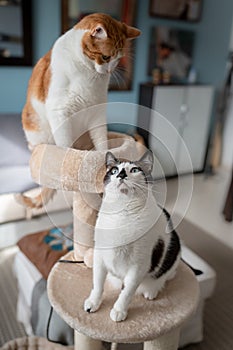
{"x": 75, "y": 81}
{"x": 129, "y": 262}
{"x": 123, "y": 221}
{"x": 74, "y": 86}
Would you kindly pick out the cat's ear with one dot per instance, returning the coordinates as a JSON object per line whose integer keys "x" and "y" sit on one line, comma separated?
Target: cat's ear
{"x": 99, "y": 32}
{"x": 147, "y": 161}
{"x": 110, "y": 160}
{"x": 131, "y": 32}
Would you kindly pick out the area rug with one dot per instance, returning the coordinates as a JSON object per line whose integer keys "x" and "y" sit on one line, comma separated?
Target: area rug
{"x": 218, "y": 315}
{"x": 9, "y": 327}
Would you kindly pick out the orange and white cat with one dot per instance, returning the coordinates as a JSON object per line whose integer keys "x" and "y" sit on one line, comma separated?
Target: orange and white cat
{"x": 72, "y": 76}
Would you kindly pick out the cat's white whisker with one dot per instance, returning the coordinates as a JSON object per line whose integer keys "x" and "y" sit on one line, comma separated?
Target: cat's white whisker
{"x": 120, "y": 80}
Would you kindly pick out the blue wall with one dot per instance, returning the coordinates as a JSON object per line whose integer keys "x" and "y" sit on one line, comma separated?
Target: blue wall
{"x": 46, "y": 28}
{"x": 211, "y": 48}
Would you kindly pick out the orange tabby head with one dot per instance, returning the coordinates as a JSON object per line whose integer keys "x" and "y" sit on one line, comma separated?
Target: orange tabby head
{"x": 104, "y": 40}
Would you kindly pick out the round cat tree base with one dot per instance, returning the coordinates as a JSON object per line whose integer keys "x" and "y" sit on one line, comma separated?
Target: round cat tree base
{"x": 156, "y": 323}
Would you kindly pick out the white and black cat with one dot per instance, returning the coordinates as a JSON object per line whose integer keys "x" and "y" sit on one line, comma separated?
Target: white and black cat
{"x": 131, "y": 240}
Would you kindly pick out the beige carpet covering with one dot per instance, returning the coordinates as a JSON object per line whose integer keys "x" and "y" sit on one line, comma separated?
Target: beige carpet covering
{"x": 218, "y": 315}
{"x": 69, "y": 285}
{"x": 9, "y": 327}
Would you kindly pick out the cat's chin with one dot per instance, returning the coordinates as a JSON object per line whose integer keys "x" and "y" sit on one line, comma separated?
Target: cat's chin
{"x": 124, "y": 190}
{"x": 102, "y": 71}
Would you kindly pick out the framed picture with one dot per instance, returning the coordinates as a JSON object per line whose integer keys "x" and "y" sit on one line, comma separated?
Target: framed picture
{"x": 171, "y": 51}
{"x": 187, "y": 10}
{"x": 15, "y": 33}
{"x": 122, "y": 10}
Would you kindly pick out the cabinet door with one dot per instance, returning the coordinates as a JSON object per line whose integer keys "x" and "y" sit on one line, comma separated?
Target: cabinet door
{"x": 196, "y": 126}
{"x": 163, "y": 138}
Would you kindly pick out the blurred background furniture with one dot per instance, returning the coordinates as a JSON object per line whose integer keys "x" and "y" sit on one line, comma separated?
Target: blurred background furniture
{"x": 184, "y": 114}
{"x": 228, "y": 208}
{"x": 15, "y": 177}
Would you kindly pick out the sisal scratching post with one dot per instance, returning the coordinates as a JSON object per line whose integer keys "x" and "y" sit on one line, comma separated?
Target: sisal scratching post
{"x": 82, "y": 172}
{"x": 84, "y": 222}
{"x": 165, "y": 342}
{"x": 81, "y": 341}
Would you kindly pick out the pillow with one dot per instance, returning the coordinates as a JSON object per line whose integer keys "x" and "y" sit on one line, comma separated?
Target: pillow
{"x": 44, "y": 248}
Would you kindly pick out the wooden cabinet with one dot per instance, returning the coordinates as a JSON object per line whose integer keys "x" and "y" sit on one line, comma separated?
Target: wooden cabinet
{"x": 176, "y": 128}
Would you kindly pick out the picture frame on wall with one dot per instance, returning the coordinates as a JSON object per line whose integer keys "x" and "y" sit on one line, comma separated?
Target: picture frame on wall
{"x": 171, "y": 52}
{"x": 16, "y": 33}
{"x": 186, "y": 10}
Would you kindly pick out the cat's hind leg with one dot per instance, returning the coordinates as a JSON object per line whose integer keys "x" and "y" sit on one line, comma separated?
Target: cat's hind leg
{"x": 150, "y": 287}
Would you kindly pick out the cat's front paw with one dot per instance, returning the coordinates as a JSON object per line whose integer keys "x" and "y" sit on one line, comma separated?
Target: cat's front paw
{"x": 91, "y": 305}
{"x": 117, "y": 315}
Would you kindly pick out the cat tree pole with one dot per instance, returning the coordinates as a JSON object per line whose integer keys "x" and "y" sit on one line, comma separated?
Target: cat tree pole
{"x": 155, "y": 323}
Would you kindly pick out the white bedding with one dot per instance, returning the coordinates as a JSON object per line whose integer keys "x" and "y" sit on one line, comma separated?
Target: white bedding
{"x": 27, "y": 276}
{"x": 11, "y": 210}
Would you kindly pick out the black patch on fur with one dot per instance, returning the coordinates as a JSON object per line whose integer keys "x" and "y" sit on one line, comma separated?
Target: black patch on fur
{"x": 168, "y": 217}
{"x": 171, "y": 254}
{"x": 166, "y": 213}
{"x": 157, "y": 254}
{"x": 107, "y": 177}
{"x": 197, "y": 272}
{"x": 122, "y": 174}
{"x": 173, "y": 248}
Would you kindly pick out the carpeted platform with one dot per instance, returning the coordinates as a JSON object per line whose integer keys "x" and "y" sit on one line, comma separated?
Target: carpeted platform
{"x": 218, "y": 318}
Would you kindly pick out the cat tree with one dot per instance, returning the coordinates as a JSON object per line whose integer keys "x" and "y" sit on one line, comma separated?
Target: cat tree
{"x": 155, "y": 323}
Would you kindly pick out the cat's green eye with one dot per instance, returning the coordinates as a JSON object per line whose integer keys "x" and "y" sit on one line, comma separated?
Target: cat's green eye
{"x": 114, "y": 171}
{"x": 106, "y": 58}
{"x": 135, "y": 170}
